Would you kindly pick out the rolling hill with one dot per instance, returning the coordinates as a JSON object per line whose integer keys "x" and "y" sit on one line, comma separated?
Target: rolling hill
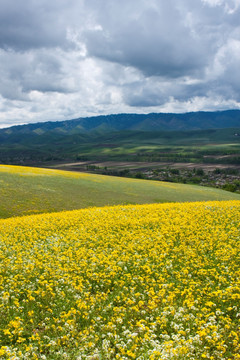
{"x": 26, "y": 190}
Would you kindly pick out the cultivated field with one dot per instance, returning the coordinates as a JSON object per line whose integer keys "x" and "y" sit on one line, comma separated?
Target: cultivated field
{"x": 125, "y": 282}
{"x": 26, "y": 190}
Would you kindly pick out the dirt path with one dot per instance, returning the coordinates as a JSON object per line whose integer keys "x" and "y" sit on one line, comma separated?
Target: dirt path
{"x": 120, "y": 165}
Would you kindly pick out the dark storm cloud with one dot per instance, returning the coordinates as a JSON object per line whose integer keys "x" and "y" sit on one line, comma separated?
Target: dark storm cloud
{"x": 72, "y": 58}
{"x": 153, "y": 37}
{"x": 22, "y": 73}
{"x": 32, "y": 24}
{"x": 22, "y": 26}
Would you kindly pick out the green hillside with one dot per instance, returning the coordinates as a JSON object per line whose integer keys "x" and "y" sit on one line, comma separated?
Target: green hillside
{"x": 127, "y": 137}
{"x": 26, "y": 190}
{"x": 34, "y": 149}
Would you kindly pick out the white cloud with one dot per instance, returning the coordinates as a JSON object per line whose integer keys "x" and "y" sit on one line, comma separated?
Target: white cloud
{"x": 80, "y": 58}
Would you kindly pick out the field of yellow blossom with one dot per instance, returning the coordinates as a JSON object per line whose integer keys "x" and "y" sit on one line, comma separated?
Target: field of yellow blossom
{"x": 124, "y": 282}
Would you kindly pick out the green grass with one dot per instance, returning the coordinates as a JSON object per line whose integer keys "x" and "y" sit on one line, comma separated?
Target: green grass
{"x": 26, "y": 190}
{"x": 173, "y": 146}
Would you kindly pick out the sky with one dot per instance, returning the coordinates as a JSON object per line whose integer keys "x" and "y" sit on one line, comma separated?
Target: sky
{"x": 64, "y": 59}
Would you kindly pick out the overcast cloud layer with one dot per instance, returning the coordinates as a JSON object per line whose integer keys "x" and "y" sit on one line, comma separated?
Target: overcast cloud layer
{"x": 63, "y": 59}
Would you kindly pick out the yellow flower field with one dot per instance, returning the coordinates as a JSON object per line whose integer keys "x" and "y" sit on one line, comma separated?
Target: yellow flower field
{"x": 124, "y": 282}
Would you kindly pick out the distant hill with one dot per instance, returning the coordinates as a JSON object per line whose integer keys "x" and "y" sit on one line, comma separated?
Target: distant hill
{"x": 143, "y": 122}
{"x": 122, "y": 137}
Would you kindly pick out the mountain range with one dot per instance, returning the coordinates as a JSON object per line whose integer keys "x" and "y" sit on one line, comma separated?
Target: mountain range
{"x": 122, "y": 136}
{"x": 135, "y": 122}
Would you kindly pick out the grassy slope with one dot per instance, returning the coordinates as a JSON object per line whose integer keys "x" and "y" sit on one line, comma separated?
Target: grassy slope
{"x": 25, "y": 190}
